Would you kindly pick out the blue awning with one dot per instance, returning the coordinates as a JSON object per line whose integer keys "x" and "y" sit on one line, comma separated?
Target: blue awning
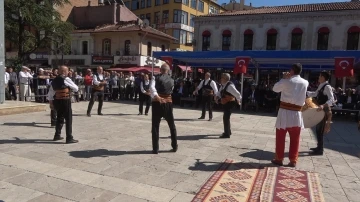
{"x": 263, "y": 59}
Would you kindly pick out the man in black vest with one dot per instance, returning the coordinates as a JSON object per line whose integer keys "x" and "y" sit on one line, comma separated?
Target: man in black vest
{"x": 209, "y": 89}
{"x": 59, "y": 99}
{"x": 99, "y": 84}
{"x": 161, "y": 89}
{"x": 229, "y": 96}
{"x": 325, "y": 99}
{"x": 145, "y": 95}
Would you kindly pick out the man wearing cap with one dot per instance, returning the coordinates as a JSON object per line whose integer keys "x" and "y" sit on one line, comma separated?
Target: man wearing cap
{"x": 59, "y": 98}
{"x": 209, "y": 89}
{"x": 40, "y": 85}
{"x": 289, "y": 119}
{"x": 161, "y": 89}
{"x": 25, "y": 89}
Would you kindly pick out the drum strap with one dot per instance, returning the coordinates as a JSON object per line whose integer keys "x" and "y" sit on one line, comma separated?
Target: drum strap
{"x": 289, "y": 106}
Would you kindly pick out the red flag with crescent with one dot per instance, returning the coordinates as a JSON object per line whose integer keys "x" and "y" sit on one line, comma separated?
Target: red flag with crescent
{"x": 168, "y": 60}
{"x": 344, "y": 67}
{"x": 241, "y": 65}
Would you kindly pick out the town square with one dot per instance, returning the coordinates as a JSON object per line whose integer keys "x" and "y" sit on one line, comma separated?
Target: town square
{"x": 179, "y": 101}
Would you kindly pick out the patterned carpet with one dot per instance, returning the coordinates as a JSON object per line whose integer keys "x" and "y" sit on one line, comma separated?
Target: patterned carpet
{"x": 231, "y": 183}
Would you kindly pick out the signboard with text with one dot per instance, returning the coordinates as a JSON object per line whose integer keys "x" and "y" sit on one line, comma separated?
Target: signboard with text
{"x": 102, "y": 60}
{"x": 129, "y": 60}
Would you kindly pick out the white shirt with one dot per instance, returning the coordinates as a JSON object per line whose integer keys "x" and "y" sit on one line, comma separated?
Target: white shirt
{"x": 95, "y": 79}
{"x": 230, "y": 89}
{"x": 212, "y": 84}
{"x": 142, "y": 86}
{"x": 68, "y": 82}
{"x": 7, "y": 78}
{"x": 24, "y": 77}
{"x": 292, "y": 91}
{"x": 153, "y": 89}
{"x": 327, "y": 91}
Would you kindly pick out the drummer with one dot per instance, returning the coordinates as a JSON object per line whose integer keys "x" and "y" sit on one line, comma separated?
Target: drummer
{"x": 325, "y": 99}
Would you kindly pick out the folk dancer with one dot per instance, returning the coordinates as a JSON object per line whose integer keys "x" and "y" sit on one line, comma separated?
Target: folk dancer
{"x": 99, "y": 84}
{"x": 145, "y": 96}
{"x": 229, "y": 96}
{"x": 293, "y": 94}
{"x": 59, "y": 99}
{"x": 209, "y": 89}
{"x": 325, "y": 99}
{"x": 161, "y": 89}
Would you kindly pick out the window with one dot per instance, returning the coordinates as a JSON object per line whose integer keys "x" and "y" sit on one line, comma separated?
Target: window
{"x": 148, "y": 3}
{"x": 177, "y": 1}
{"x": 142, "y": 3}
{"x": 193, "y": 4}
{"x": 201, "y": 6}
{"x": 127, "y": 4}
{"x": 248, "y": 39}
{"x": 213, "y": 10}
{"x": 296, "y": 38}
{"x": 206, "y": 41}
{"x": 142, "y": 16}
{"x": 323, "y": 38}
{"x": 148, "y": 17}
{"x": 165, "y": 16}
{"x": 127, "y": 47}
{"x": 157, "y": 18}
{"x": 353, "y": 38}
{"x": 190, "y": 37}
{"x": 106, "y": 46}
{"x": 271, "y": 39}
{"x": 134, "y": 5}
{"x": 226, "y": 40}
{"x": 192, "y": 23}
{"x": 149, "y": 49}
{"x": 163, "y": 48}
{"x": 181, "y": 17}
{"x": 185, "y": 2}
{"x": 84, "y": 47}
{"x": 176, "y": 34}
{"x": 157, "y": 2}
{"x": 165, "y": 1}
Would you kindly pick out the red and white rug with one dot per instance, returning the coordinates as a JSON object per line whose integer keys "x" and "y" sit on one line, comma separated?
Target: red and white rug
{"x": 231, "y": 183}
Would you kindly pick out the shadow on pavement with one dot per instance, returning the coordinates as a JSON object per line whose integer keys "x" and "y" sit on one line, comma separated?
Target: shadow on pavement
{"x": 120, "y": 114}
{"x": 104, "y": 153}
{"x": 194, "y": 137}
{"x": 33, "y": 124}
{"x": 30, "y": 141}
{"x": 216, "y": 166}
{"x": 262, "y": 155}
{"x": 185, "y": 119}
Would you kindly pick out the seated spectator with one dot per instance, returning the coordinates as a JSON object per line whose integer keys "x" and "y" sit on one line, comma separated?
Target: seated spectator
{"x": 349, "y": 99}
{"x": 253, "y": 98}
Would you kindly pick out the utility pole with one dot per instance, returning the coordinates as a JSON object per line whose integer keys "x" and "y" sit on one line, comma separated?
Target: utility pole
{"x": 2, "y": 53}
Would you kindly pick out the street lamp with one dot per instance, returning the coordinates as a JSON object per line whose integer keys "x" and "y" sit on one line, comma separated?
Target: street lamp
{"x": 2, "y": 54}
{"x": 153, "y": 61}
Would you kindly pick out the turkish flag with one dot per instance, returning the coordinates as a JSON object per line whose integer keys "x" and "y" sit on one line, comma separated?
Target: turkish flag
{"x": 168, "y": 60}
{"x": 241, "y": 65}
{"x": 344, "y": 67}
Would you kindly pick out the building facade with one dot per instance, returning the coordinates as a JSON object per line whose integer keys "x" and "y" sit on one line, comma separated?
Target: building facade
{"x": 174, "y": 17}
{"x": 327, "y": 26}
{"x": 111, "y": 35}
{"x": 233, "y": 5}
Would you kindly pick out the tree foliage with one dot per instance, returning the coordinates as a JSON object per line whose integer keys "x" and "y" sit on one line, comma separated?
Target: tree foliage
{"x": 34, "y": 24}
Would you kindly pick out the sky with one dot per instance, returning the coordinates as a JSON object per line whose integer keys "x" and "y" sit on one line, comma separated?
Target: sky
{"x": 258, "y": 3}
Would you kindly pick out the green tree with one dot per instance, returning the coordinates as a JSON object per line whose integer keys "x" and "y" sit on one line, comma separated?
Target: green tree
{"x": 34, "y": 24}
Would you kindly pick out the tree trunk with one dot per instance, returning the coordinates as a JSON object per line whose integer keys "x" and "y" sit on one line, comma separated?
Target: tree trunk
{"x": 21, "y": 39}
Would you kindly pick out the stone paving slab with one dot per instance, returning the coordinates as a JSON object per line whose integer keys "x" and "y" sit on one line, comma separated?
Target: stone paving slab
{"x": 113, "y": 161}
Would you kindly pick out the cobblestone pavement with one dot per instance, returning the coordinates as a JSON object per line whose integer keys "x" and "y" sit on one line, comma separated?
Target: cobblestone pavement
{"x": 113, "y": 161}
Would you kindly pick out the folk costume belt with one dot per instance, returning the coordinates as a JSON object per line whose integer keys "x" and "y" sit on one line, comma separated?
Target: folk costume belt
{"x": 289, "y": 106}
{"x": 167, "y": 98}
{"x": 208, "y": 92}
{"x": 227, "y": 98}
{"x": 62, "y": 94}
{"x": 98, "y": 88}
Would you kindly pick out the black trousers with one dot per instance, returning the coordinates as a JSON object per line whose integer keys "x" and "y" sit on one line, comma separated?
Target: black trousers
{"x": 137, "y": 91}
{"x": 53, "y": 116}
{"x": 100, "y": 95}
{"x": 64, "y": 112}
{"x": 160, "y": 110}
{"x": 320, "y": 128}
{"x": 207, "y": 100}
{"x": 144, "y": 98}
{"x": 12, "y": 91}
{"x": 228, "y": 107}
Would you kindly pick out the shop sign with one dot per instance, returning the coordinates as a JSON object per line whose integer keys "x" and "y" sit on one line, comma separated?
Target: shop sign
{"x": 38, "y": 56}
{"x": 102, "y": 60}
{"x": 128, "y": 60}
